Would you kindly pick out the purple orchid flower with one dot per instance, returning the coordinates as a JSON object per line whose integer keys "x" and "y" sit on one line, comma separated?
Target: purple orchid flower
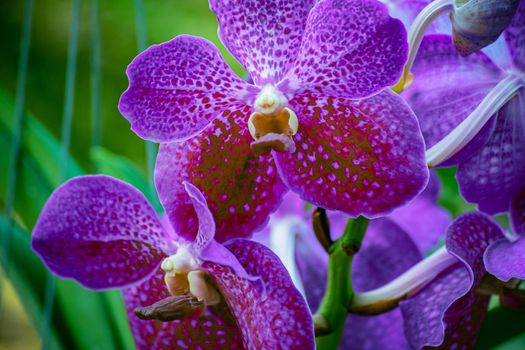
{"x": 104, "y": 234}
{"x": 445, "y": 303}
{"x": 320, "y": 69}
{"x": 472, "y": 114}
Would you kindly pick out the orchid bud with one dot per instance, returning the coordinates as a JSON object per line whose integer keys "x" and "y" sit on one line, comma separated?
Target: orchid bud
{"x": 478, "y": 23}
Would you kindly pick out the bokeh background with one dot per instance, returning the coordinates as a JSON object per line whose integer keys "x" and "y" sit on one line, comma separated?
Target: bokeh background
{"x": 64, "y": 60}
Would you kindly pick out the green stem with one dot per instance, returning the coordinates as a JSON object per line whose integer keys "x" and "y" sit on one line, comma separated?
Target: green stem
{"x": 332, "y": 313}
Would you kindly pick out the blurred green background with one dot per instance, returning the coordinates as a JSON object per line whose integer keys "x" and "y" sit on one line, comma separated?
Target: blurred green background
{"x": 82, "y": 319}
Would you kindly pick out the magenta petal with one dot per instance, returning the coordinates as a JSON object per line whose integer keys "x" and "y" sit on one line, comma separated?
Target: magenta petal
{"x": 99, "y": 231}
{"x": 517, "y": 212}
{"x": 264, "y": 35}
{"x": 506, "y": 260}
{"x": 206, "y": 231}
{"x": 407, "y": 11}
{"x": 447, "y": 87}
{"x": 515, "y": 37}
{"x": 361, "y": 157}
{"x": 438, "y": 313}
{"x": 206, "y": 332}
{"x": 241, "y": 189}
{"x": 271, "y": 316}
{"x": 177, "y": 88}
{"x": 493, "y": 175}
{"x": 351, "y": 48}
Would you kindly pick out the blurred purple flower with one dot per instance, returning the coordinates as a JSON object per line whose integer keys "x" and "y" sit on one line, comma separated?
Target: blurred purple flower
{"x": 103, "y": 233}
{"x": 310, "y": 62}
{"x": 472, "y": 114}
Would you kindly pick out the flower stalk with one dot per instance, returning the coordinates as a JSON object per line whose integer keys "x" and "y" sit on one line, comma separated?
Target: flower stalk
{"x": 416, "y": 33}
{"x": 470, "y": 127}
{"x": 330, "y": 318}
{"x": 386, "y": 297}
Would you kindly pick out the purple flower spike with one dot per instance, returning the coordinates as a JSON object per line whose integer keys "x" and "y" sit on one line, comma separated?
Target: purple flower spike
{"x": 437, "y": 314}
{"x": 312, "y": 63}
{"x": 103, "y": 233}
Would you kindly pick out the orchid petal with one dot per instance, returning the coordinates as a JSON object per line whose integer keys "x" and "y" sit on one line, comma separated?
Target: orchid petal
{"x": 493, "y": 175}
{"x": 407, "y": 11}
{"x": 436, "y": 315}
{"x": 206, "y": 231}
{"x": 241, "y": 189}
{"x": 93, "y": 228}
{"x": 385, "y": 244}
{"x": 275, "y": 316}
{"x": 515, "y": 37}
{"x": 506, "y": 260}
{"x": 177, "y": 88}
{"x": 361, "y": 157}
{"x": 213, "y": 330}
{"x": 422, "y": 218}
{"x": 264, "y": 35}
{"x": 447, "y": 86}
{"x": 351, "y": 48}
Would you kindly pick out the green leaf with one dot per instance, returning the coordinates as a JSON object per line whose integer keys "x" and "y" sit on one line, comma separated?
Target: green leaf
{"x": 81, "y": 319}
{"x": 502, "y": 326}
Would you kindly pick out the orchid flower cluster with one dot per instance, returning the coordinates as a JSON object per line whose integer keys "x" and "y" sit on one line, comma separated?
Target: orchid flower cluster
{"x": 346, "y": 107}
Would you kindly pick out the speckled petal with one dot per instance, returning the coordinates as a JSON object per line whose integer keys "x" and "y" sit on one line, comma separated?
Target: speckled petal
{"x": 264, "y": 35}
{"x": 177, "y": 88}
{"x": 351, "y": 48}
{"x": 270, "y": 312}
{"x": 361, "y": 157}
{"x": 423, "y": 219}
{"x": 94, "y": 228}
{"x": 241, "y": 189}
{"x": 447, "y": 312}
{"x": 208, "y": 331}
{"x": 493, "y": 175}
{"x": 447, "y": 87}
{"x": 515, "y": 37}
{"x": 517, "y": 212}
{"x": 206, "y": 231}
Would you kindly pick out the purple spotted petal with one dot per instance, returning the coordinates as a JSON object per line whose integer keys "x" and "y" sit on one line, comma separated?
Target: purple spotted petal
{"x": 493, "y": 175}
{"x": 506, "y": 260}
{"x": 213, "y": 330}
{"x": 386, "y": 253}
{"x": 351, "y": 48}
{"x": 448, "y": 312}
{"x": 515, "y": 37}
{"x": 361, "y": 157}
{"x": 447, "y": 87}
{"x": 241, "y": 189}
{"x": 274, "y": 315}
{"x": 517, "y": 212}
{"x": 206, "y": 231}
{"x": 177, "y": 88}
{"x": 264, "y": 35}
{"x": 94, "y": 228}
{"x": 422, "y": 218}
